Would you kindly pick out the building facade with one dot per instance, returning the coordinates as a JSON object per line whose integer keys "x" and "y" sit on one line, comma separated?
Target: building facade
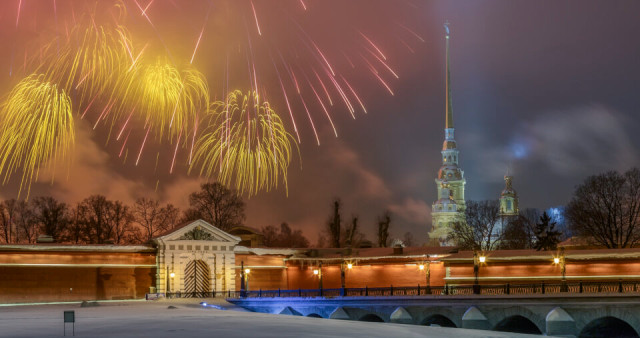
{"x": 195, "y": 257}
{"x": 450, "y": 183}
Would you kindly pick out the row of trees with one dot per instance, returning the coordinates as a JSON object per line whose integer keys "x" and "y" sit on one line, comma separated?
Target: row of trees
{"x": 98, "y": 220}
{"x": 604, "y": 211}
{"x": 485, "y": 229}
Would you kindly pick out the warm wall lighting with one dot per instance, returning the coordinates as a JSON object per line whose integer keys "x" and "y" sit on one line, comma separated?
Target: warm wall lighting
{"x": 172, "y": 275}
{"x": 315, "y": 272}
{"x": 482, "y": 259}
{"x": 247, "y": 270}
{"x": 349, "y": 266}
{"x": 421, "y": 266}
{"x": 556, "y": 260}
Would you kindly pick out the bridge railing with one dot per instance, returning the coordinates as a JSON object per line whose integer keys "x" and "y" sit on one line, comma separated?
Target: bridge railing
{"x": 628, "y": 287}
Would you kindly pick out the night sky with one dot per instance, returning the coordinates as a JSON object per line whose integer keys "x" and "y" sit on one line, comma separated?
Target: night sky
{"x": 543, "y": 90}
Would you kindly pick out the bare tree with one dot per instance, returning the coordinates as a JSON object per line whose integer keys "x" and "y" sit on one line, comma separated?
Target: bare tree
{"x": 93, "y": 218}
{"x": 408, "y": 239}
{"x": 284, "y": 238}
{"x": 333, "y": 224}
{"x": 519, "y": 232}
{"x": 25, "y": 222}
{"x": 75, "y": 231}
{"x": 384, "y": 222}
{"x": 52, "y": 217}
{"x": 152, "y": 218}
{"x": 605, "y": 209}
{"x": 7, "y": 218}
{"x": 480, "y": 231}
{"x": 352, "y": 235}
{"x": 120, "y": 222}
{"x": 216, "y": 204}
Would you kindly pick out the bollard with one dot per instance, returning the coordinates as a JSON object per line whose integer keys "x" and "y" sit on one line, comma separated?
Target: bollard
{"x": 580, "y": 287}
{"x": 542, "y": 288}
{"x": 278, "y": 292}
{"x": 366, "y": 290}
{"x": 508, "y": 289}
{"x": 418, "y": 289}
{"x": 299, "y": 292}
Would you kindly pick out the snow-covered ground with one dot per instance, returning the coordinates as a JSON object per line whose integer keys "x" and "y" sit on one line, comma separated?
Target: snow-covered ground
{"x": 189, "y": 319}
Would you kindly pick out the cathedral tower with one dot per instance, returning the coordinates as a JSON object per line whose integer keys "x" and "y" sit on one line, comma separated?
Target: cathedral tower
{"x": 450, "y": 206}
{"x": 508, "y": 199}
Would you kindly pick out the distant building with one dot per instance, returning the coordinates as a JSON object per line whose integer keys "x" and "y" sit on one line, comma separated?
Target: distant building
{"x": 249, "y": 237}
{"x": 450, "y": 206}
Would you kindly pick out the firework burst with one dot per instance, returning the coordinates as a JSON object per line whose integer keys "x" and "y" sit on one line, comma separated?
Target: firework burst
{"x": 245, "y": 146}
{"x": 37, "y": 129}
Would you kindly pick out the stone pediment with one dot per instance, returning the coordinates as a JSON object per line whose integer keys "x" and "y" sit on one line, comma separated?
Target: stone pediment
{"x": 199, "y": 231}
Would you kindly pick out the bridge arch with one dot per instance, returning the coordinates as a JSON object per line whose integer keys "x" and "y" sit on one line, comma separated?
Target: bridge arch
{"x": 371, "y": 317}
{"x": 426, "y": 316}
{"x": 314, "y": 315}
{"x": 608, "y": 327}
{"x": 439, "y": 320}
{"x": 517, "y": 324}
{"x": 517, "y": 318}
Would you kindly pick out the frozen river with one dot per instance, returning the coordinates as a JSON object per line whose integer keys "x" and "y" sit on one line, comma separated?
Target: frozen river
{"x": 189, "y": 319}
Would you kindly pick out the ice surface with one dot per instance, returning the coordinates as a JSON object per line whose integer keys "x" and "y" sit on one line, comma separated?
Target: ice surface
{"x": 190, "y": 319}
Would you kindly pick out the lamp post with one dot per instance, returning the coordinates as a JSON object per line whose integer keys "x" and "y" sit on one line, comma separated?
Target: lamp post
{"x": 560, "y": 260}
{"x": 242, "y": 280}
{"x": 477, "y": 260}
{"x": 246, "y": 278}
{"x": 318, "y": 272}
{"x": 426, "y": 267}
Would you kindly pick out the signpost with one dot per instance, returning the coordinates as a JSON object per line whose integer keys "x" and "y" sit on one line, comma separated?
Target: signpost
{"x": 69, "y": 317}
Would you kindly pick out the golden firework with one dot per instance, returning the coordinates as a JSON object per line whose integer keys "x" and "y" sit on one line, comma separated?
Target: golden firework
{"x": 37, "y": 128}
{"x": 165, "y": 98}
{"x": 245, "y": 145}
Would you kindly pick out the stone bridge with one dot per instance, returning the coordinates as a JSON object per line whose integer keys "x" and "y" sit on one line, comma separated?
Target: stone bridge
{"x": 570, "y": 315}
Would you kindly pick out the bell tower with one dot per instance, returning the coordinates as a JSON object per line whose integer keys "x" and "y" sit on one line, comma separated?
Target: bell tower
{"x": 450, "y": 206}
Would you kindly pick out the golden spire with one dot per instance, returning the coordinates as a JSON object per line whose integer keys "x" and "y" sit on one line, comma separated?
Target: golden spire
{"x": 449, "y": 122}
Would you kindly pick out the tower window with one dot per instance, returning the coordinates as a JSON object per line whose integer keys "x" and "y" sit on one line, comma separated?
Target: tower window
{"x": 509, "y": 206}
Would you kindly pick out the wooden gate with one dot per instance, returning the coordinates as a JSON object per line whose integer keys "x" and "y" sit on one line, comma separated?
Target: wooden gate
{"x": 197, "y": 279}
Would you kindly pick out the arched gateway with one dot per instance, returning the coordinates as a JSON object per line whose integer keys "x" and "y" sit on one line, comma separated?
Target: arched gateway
{"x": 195, "y": 259}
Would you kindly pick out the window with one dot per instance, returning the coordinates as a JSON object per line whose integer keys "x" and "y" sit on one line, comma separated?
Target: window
{"x": 509, "y": 206}
{"x": 172, "y": 247}
{"x": 223, "y": 248}
{"x": 197, "y": 247}
{"x": 180, "y": 247}
{"x": 189, "y": 247}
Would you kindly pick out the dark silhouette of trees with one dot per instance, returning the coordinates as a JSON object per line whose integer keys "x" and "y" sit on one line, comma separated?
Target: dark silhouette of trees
{"x": 120, "y": 222}
{"x": 547, "y": 238}
{"x": 384, "y": 222}
{"x": 216, "y": 204}
{"x": 480, "y": 231}
{"x": 103, "y": 221}
{"x": 408, "y": 239}
{"x": 333, "y": 225}
{"x": 518, "y": 232}
{"x": 7, "y": 217}
{"x": 25, "y": 222}
{"x": 605, "y": 209}
{"x": 152, "y": 218}
{"x": 51, "y": 216}
{"x": 284, "y": 237}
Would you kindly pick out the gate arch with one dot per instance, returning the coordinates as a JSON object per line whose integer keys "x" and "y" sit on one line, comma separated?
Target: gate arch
{"x": 439, "y": 320}
{"x": 197, "y": 279}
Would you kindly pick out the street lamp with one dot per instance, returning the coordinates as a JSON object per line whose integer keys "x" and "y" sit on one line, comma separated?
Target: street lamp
{"x": 477, "y": 260}
{"x": 246, "y": 277}
{"x": 426, "y": 267}
{"x": 560, "y": 260}
{"x": 318, "y": 272}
